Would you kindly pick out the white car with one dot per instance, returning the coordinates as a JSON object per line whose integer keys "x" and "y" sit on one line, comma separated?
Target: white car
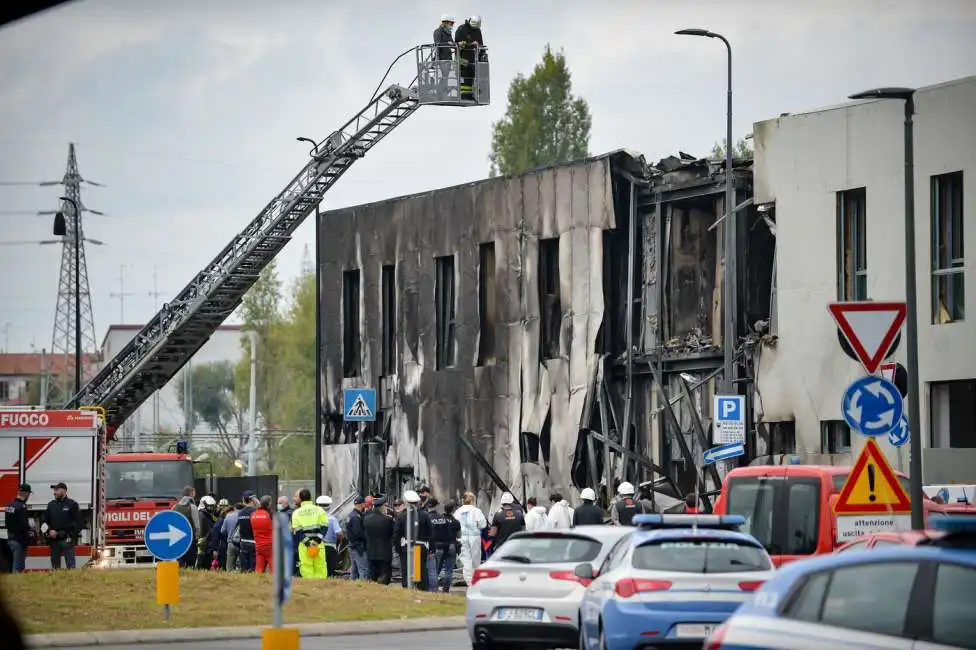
{"x": 527, "y": 593}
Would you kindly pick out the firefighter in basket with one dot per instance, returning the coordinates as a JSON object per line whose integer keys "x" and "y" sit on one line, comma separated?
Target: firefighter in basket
{"x": 309, "y": 524}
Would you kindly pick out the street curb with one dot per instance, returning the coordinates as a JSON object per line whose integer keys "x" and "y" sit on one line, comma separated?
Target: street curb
{"x": 183, "y": 635}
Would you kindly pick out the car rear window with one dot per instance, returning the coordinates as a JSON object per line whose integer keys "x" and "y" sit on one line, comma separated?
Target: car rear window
{"x": 549, "y": 549}
{"x": 700, "y": 556}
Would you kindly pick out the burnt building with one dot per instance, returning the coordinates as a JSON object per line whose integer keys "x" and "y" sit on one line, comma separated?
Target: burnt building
{"x": 495, "y": 320}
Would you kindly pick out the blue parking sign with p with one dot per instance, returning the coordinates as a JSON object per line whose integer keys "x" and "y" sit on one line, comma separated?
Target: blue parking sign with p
{"x": 729, "y": 413}
{"x": 730, "y": 408}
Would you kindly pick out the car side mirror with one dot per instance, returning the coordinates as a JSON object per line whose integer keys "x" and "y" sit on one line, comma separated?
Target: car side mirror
{"x": 584, "y": 571}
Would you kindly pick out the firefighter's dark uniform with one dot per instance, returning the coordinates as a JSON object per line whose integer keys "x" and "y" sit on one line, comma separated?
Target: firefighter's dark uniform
{"x": 422, "y": 534}
{"x": 469, "y": 40}
{"x": 626, "y": 508}
{"x": 507, "y": 521}
{"x": 588, "y": 514}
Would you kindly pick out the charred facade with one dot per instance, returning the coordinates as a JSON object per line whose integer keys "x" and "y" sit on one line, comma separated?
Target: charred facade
{"x": 530, "y": 333}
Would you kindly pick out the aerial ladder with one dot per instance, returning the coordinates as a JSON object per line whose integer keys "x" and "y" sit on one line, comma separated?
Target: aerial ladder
{"x": 183, "y": 325}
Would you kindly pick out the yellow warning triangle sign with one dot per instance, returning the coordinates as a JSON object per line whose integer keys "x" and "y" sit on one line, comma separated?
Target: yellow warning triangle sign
{"x": 872, "y": 487}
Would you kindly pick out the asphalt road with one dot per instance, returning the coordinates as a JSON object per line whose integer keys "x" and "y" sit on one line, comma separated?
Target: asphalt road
{"x": 442, "y": 640}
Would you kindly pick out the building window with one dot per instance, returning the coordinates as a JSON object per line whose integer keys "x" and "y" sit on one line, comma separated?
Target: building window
{"x": 446, "y": 324}
{"x": 852, "y": 258}
{"x": 953, "y": 411}
{"x": 835, "y": 437}
{"x": 948, "y": 264}
{"x": 486, "y": 304}
{"x": 388, "y": 307}
{"x": 350, "y": 324}
{"x": 550, "y": 309}
{"x": 4, "y": 391}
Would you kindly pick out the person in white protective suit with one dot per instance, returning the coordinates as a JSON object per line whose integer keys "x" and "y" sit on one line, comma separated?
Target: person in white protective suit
{"x": 473, "y": 522}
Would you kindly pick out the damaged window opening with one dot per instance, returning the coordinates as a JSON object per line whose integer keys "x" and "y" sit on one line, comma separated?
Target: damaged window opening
{"x": 388, "y": 307}
{"x": 446, "y": 334}
{"x": 835, "y": 437}
{"x": 953, "y": 414}
{"x": 486, "y": 304}
{"x": 948, "y": 262}
{"x": 852, "y": 259}
{"x": 350, "y": 323}
{"x": 550, "y": 309}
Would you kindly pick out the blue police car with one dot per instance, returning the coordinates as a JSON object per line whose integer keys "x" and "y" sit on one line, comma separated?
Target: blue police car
{"x": 671, "y": 582}
{"x": 898, "y": 598}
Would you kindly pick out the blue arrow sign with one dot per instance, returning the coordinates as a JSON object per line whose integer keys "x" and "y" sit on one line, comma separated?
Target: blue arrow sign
{"x": 168, "y": 535}
{"x": 724, "y": 452}
{"x": 872, "y": 406}
{"x": 899, "y": 435}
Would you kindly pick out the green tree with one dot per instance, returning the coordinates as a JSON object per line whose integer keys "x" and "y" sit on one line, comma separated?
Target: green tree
{"x": 544, "y": 123}
{"x": 215, "y": 404}
{"x": 742, "y": 150}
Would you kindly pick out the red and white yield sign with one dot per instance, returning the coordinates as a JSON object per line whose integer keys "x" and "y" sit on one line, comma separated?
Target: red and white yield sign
{"x": 869, "y": 327}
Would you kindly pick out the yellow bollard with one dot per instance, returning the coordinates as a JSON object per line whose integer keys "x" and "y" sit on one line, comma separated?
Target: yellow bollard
{"x": 280, "y": 638}
{"x": 418, "y": 551}
{"x": 167, "y": 585}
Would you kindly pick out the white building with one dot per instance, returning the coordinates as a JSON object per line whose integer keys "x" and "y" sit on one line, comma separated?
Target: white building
{"x": 835, "y": 179}
{"x": 162, "y": 411}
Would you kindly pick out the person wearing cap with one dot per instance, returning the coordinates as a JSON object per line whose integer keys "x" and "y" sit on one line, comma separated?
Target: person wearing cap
{"x": 378, "y": 526}
{"x": 356, "y": 534}
{"x": 588, "y": 514}
{"x": 506, "y": 522}
{"x": 419, "y": 533}
{"x": 309, "y": 524}
{"x": 443, "y": 36}
{"x": 61, "y": 525}
{"x": 17, "y": 523}
{"x": 231, "y": 534}
{"x": 247, "y": 551}
{"x": 332, "y": 536}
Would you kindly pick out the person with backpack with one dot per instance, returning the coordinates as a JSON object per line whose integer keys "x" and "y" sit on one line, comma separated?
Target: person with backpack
{"x": 188, "y": 509}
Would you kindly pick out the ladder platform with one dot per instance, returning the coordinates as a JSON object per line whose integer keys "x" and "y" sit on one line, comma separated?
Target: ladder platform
{"x": 450, "y": 76}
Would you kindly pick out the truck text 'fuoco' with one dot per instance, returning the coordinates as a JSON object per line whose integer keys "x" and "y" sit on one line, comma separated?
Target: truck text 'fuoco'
{"x": 24, "y": 419}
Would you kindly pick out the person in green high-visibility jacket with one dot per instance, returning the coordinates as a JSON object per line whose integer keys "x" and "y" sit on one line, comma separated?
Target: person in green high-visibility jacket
{"x": 309, "y": 524}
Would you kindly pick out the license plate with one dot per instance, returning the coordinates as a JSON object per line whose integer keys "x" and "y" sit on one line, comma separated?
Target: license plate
{"x": 518, "y": 614}
{"x": 693, "y": 631}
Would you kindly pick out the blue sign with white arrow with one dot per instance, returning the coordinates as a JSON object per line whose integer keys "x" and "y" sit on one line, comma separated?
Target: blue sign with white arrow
{"x": 724, "y": 452}
{"x": 899, "y": 435}
{"x": 168, "y": 535}
{"x": 872, "y": 406}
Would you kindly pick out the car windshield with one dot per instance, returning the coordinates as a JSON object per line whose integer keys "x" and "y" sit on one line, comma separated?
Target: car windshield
{"x": 549, "y": 549}
{"x": 163, "y": 479}
{"x": 700, "y": 556}
{"x": 782, "y": 513}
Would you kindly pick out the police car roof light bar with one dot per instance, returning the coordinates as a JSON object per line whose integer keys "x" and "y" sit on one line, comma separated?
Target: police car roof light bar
{"x": 713, "y": 522}
{"x": 965, "y": 524}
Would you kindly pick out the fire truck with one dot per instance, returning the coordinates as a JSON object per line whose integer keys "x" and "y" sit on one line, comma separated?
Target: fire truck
{"x": 45, "y": 447}
{"x": 138, "y": 485}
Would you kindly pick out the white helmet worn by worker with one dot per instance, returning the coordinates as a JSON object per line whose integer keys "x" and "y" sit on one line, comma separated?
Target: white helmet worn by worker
{"x": 411, "y": 497}
{"x": 475, "y": 21}
{"x": 625, "y": 489}
{"x": 447, "y": 18}
{"x": 207, "y": 500}
{"x": 323, "y": 500}
{"x": 507, "y": 499}
{"x": 588, "y": 494}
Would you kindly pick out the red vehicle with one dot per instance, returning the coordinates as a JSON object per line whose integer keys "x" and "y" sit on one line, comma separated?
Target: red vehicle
{"x": 44, "y": 447}
{"x": 138, "y": 485}
{"x": 790, "y": 508}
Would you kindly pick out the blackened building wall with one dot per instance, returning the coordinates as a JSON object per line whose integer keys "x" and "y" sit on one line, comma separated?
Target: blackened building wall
{"x": 524, "y": 335}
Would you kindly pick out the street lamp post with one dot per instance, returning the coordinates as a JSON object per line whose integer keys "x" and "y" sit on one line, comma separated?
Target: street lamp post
{"x": 907, "y": 95}
{"x": 730, "y": 285}
{"x": 252, "y": 439}
{"x": 60, "y": 230}
{"x": 317, "y": 439}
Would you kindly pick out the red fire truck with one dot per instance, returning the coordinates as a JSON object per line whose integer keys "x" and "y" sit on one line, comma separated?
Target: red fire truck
{"x": 44, "y": 447}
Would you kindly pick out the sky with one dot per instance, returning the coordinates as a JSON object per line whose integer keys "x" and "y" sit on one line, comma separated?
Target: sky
{"x": 188, "y": 111}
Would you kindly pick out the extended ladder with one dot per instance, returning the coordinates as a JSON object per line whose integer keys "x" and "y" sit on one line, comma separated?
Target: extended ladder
{"x": 182, "y": 326}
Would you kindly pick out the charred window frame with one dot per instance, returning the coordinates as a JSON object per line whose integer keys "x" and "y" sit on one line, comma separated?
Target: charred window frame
{"x": 351, "y": 336}
{"x": 388, "y": 309}
{"x": 445, "y": 304}
{"x": 835, "y": 437}
{"x": 487, "y": 304}
{"x": 852, "y": 258}
{"x": 948, "y": 261}
{"x": 550, "y": 308}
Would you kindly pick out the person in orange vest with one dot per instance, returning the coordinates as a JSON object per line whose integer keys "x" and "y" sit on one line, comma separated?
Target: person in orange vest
{"x": 691, "y": 505}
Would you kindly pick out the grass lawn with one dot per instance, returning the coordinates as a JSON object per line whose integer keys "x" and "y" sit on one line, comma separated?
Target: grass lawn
{"x": 87, "y": 600}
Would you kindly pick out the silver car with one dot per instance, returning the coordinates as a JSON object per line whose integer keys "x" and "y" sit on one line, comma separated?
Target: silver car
{"x": 528, "y": 594}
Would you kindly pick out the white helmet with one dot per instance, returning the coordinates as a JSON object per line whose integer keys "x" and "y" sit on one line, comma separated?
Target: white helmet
{"x": 410, "y": 496}
{"x": 588, "y": 494}
{"x": 207, "y": 500}
{"x": 323, "y": 500}
{"x": 447, "y": 18}
{"x": 475, "y": 21}
{"x": 507, "y": 499}
{"x": 625, "y": 489}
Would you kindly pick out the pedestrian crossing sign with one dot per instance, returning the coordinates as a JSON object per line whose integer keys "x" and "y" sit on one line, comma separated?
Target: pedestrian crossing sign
{"x": 359, "y": 404}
